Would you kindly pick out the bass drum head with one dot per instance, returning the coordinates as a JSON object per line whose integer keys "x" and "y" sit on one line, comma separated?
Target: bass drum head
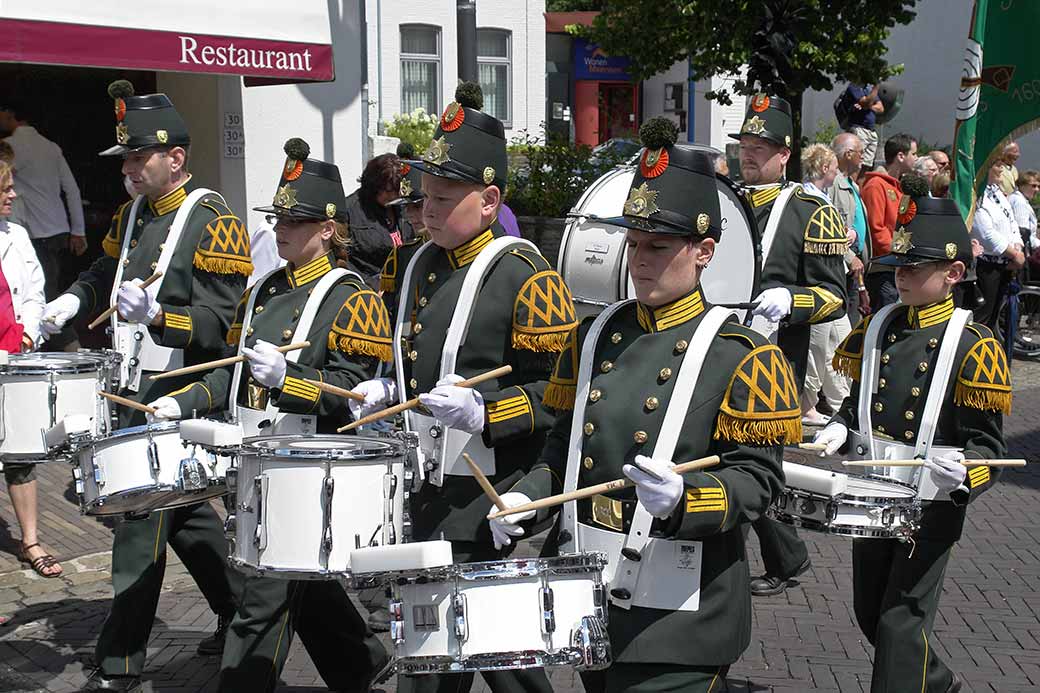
{"x": 592, "y": 255}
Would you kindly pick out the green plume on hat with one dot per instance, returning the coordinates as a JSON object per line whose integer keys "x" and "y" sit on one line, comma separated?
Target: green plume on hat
{"x": 470, "y": 95}
{"x": 120, "y": 89}
{"x": 296, "y": 148}
{"x": 658, "y": 132}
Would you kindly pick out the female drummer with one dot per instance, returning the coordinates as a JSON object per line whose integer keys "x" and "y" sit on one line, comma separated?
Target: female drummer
{"x": 309, "y": 299}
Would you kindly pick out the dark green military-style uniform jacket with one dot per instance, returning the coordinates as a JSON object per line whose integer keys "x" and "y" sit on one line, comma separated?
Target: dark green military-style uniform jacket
{"x": 807, "y": 258}
{"x": 205, "y": 278}
{"x": 977, "y": 397}
{"x": 744, "y": 407}
{"x": 396, "y": 263}
{"x": 349, "y": 336}
{"x": 522, "y": 317}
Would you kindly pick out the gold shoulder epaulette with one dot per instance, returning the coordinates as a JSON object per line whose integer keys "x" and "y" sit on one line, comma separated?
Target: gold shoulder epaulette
{"x": 224, "y": 245}
{"x": 761, "y": 405}
{"x": 984, "y": 379}
{"x": 848, "y": 357}
{"x": 543, "y": 313}
{"x": 563, "y": 383}
{"x": 362, "y": 326}
{"x": 112, "y": 243}
{"x": 825, "y": 231}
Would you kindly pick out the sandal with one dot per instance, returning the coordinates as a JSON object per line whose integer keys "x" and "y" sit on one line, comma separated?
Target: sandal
{"x": 40, "y": 563}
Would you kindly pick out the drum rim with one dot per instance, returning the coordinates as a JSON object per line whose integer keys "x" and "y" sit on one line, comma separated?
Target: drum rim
{"x": 567, "y": 655}
{"x": 78, "y": 362}
{"x": 893, "y": 531}
{"x": 851, "y": 499}
{"x": 267, "y": 447}
{"x": 134, "y": 431}
{"x": 507, "y": 568}
{"x": 189, "y": 498}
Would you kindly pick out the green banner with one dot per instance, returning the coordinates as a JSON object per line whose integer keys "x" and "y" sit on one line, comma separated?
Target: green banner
{"x": 999, "y": 93}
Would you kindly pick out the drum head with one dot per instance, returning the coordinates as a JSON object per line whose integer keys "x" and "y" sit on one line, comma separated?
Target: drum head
{"x": 53, "y": 362}
{"x": 865, "y": 487}
{"x": 592, "y": 253}
{"x": 323, "y": 447}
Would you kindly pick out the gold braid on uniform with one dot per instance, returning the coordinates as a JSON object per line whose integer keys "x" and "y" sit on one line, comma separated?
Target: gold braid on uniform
{"x": 984, "y": 380}
{"x": 562, "y": 389}
{"x": 112, "y": 244}
{"x": 825, "y": 232}
{"x": 224, "y": 245}
{"x": 362, "y": 326}
{"x": 543, "y": 314}
{"x": 761, "y": 406}
{"x": 388, "y": 277}
{"x": 848, "y": 357}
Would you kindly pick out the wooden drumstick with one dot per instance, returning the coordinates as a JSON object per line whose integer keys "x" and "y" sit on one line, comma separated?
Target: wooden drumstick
{"x": 596, "y": 490}
{"x": 414, "y": 402}
{"x": 219, "y": 363}
{"x": 128, "y": 403}
{"x": 107, "y": 313}
{"x": 489, "y": 490}
{"x": 333, "y": 390}
{"x": 920, "y": 463}
{"x": 817, "y": 447}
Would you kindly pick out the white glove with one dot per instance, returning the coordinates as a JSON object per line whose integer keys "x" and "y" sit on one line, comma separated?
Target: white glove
{"x": 266, "y": 363}
{"x": 57, "y": 313}
{"x": 658, "y": 497}
{"x": 378, "y": 394}
{"x": 136, "y": 304}
{"x": 461, "y": 408}
{"x": 505, "y": 529}
{"x": 833, "y": 435}
{"x": 168, "y": 410}
{"x": 774, "y": 304}
{"x": 948, "y": 471}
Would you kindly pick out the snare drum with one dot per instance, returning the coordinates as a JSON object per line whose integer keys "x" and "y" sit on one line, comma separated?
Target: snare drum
{"x": 301, "y": 503}
{"x": 846, "y": 504}
{"x": 146, "y": 468}
{"x": 511, "y": 614}
{"x": 39, "y": 390}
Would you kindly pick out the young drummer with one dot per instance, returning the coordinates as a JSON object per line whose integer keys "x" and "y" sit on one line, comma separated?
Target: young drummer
{"x": 897, "y": 585}
{"x": 349, "y": 331}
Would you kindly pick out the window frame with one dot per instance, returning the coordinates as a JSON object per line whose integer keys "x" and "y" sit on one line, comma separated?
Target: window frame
{"x": 507, "y": 61}
{"x": 437, "y": 59}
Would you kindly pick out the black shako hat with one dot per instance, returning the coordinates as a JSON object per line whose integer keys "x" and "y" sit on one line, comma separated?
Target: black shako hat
{"x": 674, "y": 190}
{"x": 928, "y": 229}
{"x": 144, "y": 121}
{"x": 468, "y": 144}
{"x": 410, "y": 189}
{"x": 768, "y": 117}
{"x": 308, "y": 189}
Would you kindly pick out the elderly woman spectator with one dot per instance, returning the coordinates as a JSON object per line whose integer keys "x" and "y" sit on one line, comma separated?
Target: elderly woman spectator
{"x": 21, "y": 306}
{"x": 1002, "y": 250}
{"x": 927, "y": 169}
{"x": 375, "y": 226}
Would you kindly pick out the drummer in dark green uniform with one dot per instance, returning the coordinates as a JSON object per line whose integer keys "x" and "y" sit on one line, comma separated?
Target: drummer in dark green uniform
{"x": 520, "y": 314}
{"x": 349, "y": 331}
{"x": 177, "y": 321}
{"x": 803, "y": 282}
{"x": 897, "y": 585}
{"x": 666, "y": 378}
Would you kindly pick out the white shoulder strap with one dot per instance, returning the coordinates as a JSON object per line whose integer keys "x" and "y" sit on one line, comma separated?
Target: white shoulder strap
{"x": 124, "y": 250}
{"x": 774, "y": 219}
{"x": 402, "y": 323}
{"x": 944, "y": 365}
{"x": 870, "y": 368}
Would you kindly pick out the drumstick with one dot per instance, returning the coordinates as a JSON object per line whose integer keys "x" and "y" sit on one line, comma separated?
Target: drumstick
{"x": 413, "y": 403}
{"x": 333, "y": 390}
{"x": 489, "y": 490}
{"x": 128, "y": 403}
{"x": 107, "y": 313}
{"x": 818, "y": 447}
{"x": 751, "y": 305}
{"x": 920, "y": 463}
{"x": 606, "y": 486}
{"x": 223, "y": 362}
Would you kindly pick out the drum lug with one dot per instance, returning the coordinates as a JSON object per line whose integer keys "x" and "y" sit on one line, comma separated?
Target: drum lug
{"x": 599, "y": 602}
{"x": 52, "y": 399}
{"x": 396, "y": 609}
{"x": 260, "y": 535}
{"x": 77, "y": 474}
{"x": 548, "y": 611}
{"x": 458, "y": 607}
{"x": 191, "y": 475}
{"x": 589, "y": 640}
{"x": 230, "y": 525}
{"x": 329, "y": 488}
{"x": 887, "y": 517}
{"x": 99, "y": 476}
{"x": 832, "y": 511}
{"x": 153, "y": 457}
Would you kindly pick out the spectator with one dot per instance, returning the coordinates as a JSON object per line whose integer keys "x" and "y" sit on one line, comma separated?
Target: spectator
{"x": 881, "y": 194}
{"x": 820, "y": 169}
{"x": 41, "y": 177}
{"x": 941, "y": 159}
{"x": 941, "y": 184}
{"x": 7, "y": 156}
{"x": 21, "y": 305}
{"x": 1009, "y": 176}
{"x": 926, "y": 168}
{"x": 1027, "y": 187}
{"x": 844, "y": 194}
{"x": 371, "y": 221}
{"x": 994, "y": 227}
{"x": 865, "y": 108}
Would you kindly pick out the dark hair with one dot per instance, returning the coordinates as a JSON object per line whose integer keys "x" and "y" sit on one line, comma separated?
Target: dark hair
{"x": 896, "y": 145}
{"x": 15, "y": 107}
{"x": 381, "y": 173}
{"x": 341, "y": 244}
{"x": 6, "y": 152}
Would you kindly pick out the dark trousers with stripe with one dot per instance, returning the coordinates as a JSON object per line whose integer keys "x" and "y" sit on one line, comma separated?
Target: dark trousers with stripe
{"x": 655, "y": 678}
{"x": 138, "y": 563}
{"x": 346, "y": 653}
{"x": 895, "y": 596}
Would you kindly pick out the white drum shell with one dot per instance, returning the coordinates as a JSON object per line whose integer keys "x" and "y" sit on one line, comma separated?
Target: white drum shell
{"x": 281, "y": 504}
{"x": 138, "y": 470}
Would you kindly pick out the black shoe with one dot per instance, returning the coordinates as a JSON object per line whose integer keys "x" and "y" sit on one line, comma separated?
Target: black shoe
{"x": 379, "y": 620}
{"x": 772, "y": 585}
{"x": 100, "y": 682}
{"x": 955, "y": 684}
{"x": 214, "y": 644}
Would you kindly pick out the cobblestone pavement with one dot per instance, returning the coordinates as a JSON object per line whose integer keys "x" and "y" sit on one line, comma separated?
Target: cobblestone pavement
{"x": 988, "y": 627}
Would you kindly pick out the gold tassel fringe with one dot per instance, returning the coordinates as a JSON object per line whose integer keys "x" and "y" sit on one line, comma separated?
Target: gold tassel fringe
{"x": 350, "y": 345}
{"x": 111, "y": 246}
{"x": 550, "y": 342}
{"x": 982, "y": 398}
{"x": 387, "y": 283}
{"x": 760, "y": 432}
{"x": 560, "y": 397}
{"x": 220, "y": 265}
{"x": 818, "y": 248}
{"x": 234, "y": 334}
{"x": 849, "y": 366}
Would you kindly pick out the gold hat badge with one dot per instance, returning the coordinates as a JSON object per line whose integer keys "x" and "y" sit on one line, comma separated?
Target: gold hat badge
{"x": 753, "y": 126}
{"x": 437, "y": 152}
{"x": 285, "y": 197}
{"x": 902, "y": 241}
{"x": 642, "y": 202}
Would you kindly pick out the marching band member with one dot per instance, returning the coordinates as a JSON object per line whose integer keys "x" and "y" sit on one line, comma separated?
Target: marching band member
{"x": 519, "y": 313}
{"x": 634, "y": 399}
{"x": 309, "y": 299}
{"x": 905, "y": 353}
{"x": 188, "y": 233}
{"x": 803, "y": 280}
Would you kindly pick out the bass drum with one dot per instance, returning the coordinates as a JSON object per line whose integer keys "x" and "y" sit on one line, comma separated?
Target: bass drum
{"x": 594, "y": 264}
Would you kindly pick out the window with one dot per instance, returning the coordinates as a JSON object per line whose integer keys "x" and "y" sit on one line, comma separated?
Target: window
{"x": 494, "y": 66}
{"x": 420, "y": 68}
